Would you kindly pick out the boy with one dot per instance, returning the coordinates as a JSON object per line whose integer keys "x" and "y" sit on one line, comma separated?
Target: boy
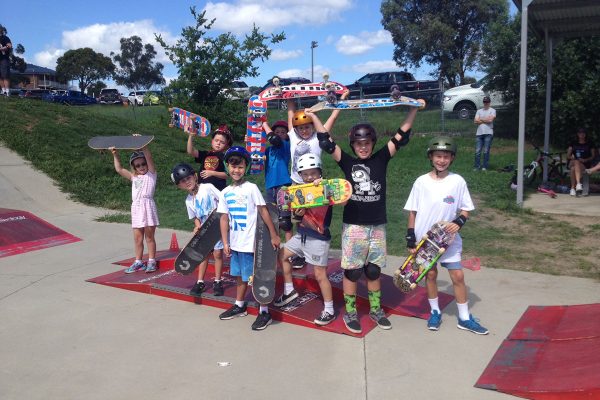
{"x": 240, "y": 203}
{"x": 212, "y": 169}
{"x": 441, "y": 195}
{"x": 201, "y": 200}
{"x": 365, "y": 218}
{"x": 311, "y": 242}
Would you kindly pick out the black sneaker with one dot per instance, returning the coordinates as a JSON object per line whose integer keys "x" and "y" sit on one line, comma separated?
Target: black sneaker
{"x": 297, "y": 262}
{"x": 218, "y": 288}
{"x": 324, "y": 319}
{"x": 234, "y": 311}
{"x": 352, "y": 323}
{"x": 262, "y": 321}
{"x": 379, "y": 317}
{"x": 197, "y": 289}
{"x": 286, "y": 299}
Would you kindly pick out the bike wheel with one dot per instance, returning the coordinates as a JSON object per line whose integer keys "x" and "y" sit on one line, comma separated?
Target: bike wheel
{"x": 529, "y": 175}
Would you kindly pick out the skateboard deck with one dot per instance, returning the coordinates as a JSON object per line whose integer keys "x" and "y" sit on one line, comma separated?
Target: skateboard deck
{"x": 328, "y": 192}
{"x": 271, "y": 93}
{"x": 256, "y": 138}
{"x": 428, "y": 251}
{"x": 119, "y": 142}
{"x": 189, "y": 121}
{"x": 361, "y": 104}
{"x": 265, "y": 259}
{"x": 200, "y": 246}
{"x": 311, "y": 89}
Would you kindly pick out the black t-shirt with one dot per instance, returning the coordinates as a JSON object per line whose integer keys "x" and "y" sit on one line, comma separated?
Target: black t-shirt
{"x": 5, "y": 54}
{"x": 582, "y": 150}
{"x": 368, "y": 178}
{"x": 211, "y": 161}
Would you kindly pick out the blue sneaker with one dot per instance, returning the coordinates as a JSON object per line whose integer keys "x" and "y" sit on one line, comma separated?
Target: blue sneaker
{"x": 151, "y": 267}
{"x": 434, "y": 321}
{"x": 136, "y": 266}
{"x": 472, "y": 325}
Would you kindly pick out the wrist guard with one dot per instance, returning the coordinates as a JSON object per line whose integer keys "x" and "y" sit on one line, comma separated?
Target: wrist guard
{"x": 402, "y": 142}
{"x": 325, "y": 142}
{"x": 274, "y": 139}
{"x": 460, "y": 221}
{"x": 411, "y": 239}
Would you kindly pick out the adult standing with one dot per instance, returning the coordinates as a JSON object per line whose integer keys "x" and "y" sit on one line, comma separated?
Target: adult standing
{"x": 485, "y": 132}
{"x": 5, "y": 49}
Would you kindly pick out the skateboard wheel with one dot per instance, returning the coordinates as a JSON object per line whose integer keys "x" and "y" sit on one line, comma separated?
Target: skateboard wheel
{"x": 442, "y": 250}
{"x": 413, "y": 285}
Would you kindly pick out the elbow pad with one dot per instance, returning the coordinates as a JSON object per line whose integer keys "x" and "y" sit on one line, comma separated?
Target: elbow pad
{"x": 402, "y": 142}
{"x": 274, "y": 140}
{"x": 325, "y": 142}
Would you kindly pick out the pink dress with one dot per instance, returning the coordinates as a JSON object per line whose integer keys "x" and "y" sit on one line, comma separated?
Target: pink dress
{"x": 143, "y": 207}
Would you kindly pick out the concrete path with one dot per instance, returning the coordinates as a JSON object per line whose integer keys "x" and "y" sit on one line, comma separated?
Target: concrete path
{"x": 63, "y": 338}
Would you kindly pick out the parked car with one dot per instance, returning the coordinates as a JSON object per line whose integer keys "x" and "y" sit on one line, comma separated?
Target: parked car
{"x": 151, "y": 98}
{"x": 36, "y": 93}
{"x": 70, "y": 97}
{"x": 136, "y": 97}
{"x": 110, "y": 96}
{"x": 282, "y": 104}
{"x": 239, "y": 90}
{"x": 379, "y": 85}
{"x": 465, "y": 100}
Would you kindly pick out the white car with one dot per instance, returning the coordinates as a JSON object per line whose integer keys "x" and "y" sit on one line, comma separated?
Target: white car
{"x": 136, "y": 97}
{"x": 239, "y": 90}
{"x": 465, "y": 100}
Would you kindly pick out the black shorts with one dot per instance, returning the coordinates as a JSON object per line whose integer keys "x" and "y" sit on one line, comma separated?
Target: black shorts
{"x": 4, "y": 69}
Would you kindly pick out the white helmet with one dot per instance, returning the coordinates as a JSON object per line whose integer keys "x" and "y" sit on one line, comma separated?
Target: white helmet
{"x": 308, "y": 161}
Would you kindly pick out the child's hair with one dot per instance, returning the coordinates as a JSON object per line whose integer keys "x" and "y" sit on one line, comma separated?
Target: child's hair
{"x": 225, "y": 132}
{"x": 134, "y": 156}
{"x": 235, "y": 160}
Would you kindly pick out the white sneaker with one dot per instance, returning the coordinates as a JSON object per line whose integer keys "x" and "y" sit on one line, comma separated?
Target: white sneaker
{"x": 578, "y": 187}
{"x": 572, "y": 193}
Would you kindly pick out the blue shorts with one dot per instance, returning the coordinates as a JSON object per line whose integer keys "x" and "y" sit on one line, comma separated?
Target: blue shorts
{"x": 452, "y": 265}
{"x": 241, "y": 264}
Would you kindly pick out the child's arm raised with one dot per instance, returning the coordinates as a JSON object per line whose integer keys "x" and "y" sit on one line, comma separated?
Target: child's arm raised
{"x": 291, "y": 109}
{"x": 117, "y": 163}
{"x": 149, "y": 159}
{"x": 190, "y": 143}
{"x": 264, "y": 213}
{"x": 325, "y": 141}
{"x": 403, "y": 135}
{"x": 334, "y": 114}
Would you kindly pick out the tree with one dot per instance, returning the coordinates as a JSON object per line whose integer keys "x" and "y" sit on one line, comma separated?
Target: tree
{"x": 445, "y": 33}
{"x": 136, "y": 69}
{"x": 93, "y": 90}
{"x": 85, "y": 66}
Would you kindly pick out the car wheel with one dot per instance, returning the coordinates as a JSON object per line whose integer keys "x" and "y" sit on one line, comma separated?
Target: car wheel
{"x": 465, "y": 110}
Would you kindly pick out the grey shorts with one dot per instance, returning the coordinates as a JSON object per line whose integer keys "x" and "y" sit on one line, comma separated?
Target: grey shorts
{"x": 316, "y": 251}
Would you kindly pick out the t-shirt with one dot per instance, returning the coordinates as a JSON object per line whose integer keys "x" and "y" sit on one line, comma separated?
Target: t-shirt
{"x": 277, "y": 164}
{"x": 300, "y": 147}
{"x": 240, "y": 202}
{"x": 368, "y": 179}
{"x": 582, "y": 150}
{"x": 203, "y": 203}
{"x": 211, "y": 161}
{"x": 439, "y": 200}
{"x": 4, "y": 54}
{"x": 487, "y": 128}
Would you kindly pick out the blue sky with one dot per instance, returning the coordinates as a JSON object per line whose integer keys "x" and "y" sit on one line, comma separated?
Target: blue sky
{"x": 351, "y": 39}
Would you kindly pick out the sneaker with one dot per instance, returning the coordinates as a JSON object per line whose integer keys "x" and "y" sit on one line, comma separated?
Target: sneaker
{"x": 262, "y": 321}
{"x": 572, "y": 192}
{"x": 484, "y": 169}
{"x": 352, "y": 323}
{"x": 297, "y": 262}
{"x": 218, "y": 288}
{"x": 379, "y": 317}
{"x": 286, "y": 299}
{"x": 136, "y": 266}
{"x": 324, "y": 319}
{"x": 151, "y": 267}
{"x": 578, "y": 189}
{"x": 234, "y": 311}
{"x": 472, "y": 325}
{"x": 197, "y": 289}
{"x": 434, "y": 321}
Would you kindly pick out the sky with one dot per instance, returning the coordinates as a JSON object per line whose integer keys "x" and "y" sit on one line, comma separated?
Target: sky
{"x": 350, "y": 38}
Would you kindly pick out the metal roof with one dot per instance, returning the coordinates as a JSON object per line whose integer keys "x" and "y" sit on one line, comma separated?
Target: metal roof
{"x": 563, "y": 18}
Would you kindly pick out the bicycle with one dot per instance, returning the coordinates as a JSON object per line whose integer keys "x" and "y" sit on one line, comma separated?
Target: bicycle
{"x": 556, "y": 168}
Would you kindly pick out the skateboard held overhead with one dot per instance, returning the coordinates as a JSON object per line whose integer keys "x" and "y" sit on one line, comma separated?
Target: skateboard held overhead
{"x": 359, "y": 104}
{"x": 189, "y": 122}
{"x": 200, "y": 246}
{"x": 308, "y": 195}
{"x": 265, "y": 259}
{"x": 135, "y": 142}
{"x": 256, "y": 138}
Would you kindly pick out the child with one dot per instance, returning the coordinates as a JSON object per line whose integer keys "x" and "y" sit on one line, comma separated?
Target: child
{"x": 144, "y": 216}
{"x": 311, "y": 241}
{"x": 212, "y": 169}
{"x": 364, "y": 219}
{"x": 240, "y": 203}
{"x": 441, "y": 195}
{"x": 202, "y": 199}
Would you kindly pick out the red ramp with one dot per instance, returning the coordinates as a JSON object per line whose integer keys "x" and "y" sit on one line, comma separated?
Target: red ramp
{"x": 552, "y": 353}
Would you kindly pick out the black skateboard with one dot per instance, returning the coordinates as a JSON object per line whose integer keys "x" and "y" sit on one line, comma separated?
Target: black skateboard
{"x": 200, "y": 246}
{"x": 119, "y": 142}
{"x": 265, "y": 259}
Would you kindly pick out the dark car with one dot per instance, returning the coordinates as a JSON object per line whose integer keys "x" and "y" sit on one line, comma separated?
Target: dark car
{"x": 36, "y": 93}
{"x": 282, "y": 104}
{"x": 70, "y": 97}
{"x": 379, "y": 84}
{"x": 110, "y": 96}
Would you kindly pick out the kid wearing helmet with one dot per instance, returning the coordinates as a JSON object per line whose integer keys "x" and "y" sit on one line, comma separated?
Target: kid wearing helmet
{"x": 241, "y": 203}
{"x": 441, "y": 195}
{"x": 144, "y": 216}
{"x": 211, "y": 168}
{"x": 311, "y": 242}
{"x": 365, "y": 217}
{"x": 201, "y": 201}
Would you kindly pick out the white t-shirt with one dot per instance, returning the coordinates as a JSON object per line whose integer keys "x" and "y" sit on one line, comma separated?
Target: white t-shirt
{"x": 240, "y": 203}
{"x": 203, "y": 203}
{"x": 299, "y": 147}
{"x": 439, "y": 200}
{"x": 485, "y": 129}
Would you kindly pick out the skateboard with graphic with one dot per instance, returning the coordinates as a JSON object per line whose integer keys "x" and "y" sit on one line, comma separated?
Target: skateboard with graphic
{"x": 327, "y": 192}
{"x": 189, "y": 122}
{"x": 427, "y": 253}
{"x": 256, "y": 138}
{"x": 316, "y": 89}
{"x": 361, "y": 104}
{"x": 135, "y": 142}
{"x": 200, "y": 246}
{"x": 265, "y": 259}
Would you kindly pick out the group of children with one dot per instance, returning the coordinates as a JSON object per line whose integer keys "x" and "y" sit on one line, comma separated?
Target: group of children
{"x": 435, "y": 196}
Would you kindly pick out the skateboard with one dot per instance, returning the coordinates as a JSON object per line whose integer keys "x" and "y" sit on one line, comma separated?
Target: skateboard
{"x": 328, "y": 192}
{"x": 189, "y": 121}
{"x": 271, "y": 93}
{"x": 325, "y": 88}
{"x": 200, "y": 246}
{"x": 265, "y": 259}
{"x": 119, "y": 142}
{"x": 428, "y": 251}
{"x": 361, "y": 104}
{"x": 256, "y": 138}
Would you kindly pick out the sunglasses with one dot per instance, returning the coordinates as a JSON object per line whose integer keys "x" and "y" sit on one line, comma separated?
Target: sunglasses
{"x": 140, "y": 165}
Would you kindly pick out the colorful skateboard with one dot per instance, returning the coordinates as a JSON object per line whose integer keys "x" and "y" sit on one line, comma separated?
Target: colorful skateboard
{"x": 271, "y": 93}
{"x": 368, "y": 103}
{"x": 119, "y": 142}
{"x": 265, "y": 259}
{"x": 256, "y": 138}
{"x": 200, "y": 246}
{"x": 325, "y": 88}
{"x": 328, "y": 192}
{"x": 189, "y": 121}
{"x": 428, "y": 251}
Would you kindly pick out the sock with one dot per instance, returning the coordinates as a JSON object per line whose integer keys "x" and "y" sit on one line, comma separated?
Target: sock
{"x": 138, "y": 261}
{"x": 151, "y": 259}
{"x": 350, "y": 301}
{"x": 463, "y": 311}
{"x": 217, "y": 280}
{"x": 200, "y": 281}
{"x": 288, "y": 288}
{"x": 239, "y": 303}
{"x": 435, "y": 305}
{"x": 263, "y": 309}
{"x": 375, "y": 300}
{"x": 329, "y": 307}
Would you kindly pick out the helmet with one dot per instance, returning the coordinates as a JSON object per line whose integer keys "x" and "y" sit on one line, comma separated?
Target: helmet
{"x": 281, "y": 123}
{"x": 237, "y": 151}
{"x": 362, "y": 131}
{"x": 308, "y": 161}
{"x": 135, "y": 155}
{"x": 441, "y": 143}
{"x": 300, "y": 119}
{"x": 180, "y": 172}
{"x": 224, "y": 130}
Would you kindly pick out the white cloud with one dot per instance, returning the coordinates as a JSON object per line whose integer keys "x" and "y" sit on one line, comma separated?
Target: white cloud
{"x": 365, "y": 41}
{"x": 375, "y": 66}
{"x": 283, "y": 55}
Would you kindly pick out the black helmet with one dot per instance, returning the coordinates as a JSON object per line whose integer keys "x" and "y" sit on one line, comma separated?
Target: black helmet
{"x": 237, "y": 151}
{"x": 135, "y": 155}
{"x": 180, "y": 172}
{"x": 441, "y": 143}
{"x": 362, "y": 131}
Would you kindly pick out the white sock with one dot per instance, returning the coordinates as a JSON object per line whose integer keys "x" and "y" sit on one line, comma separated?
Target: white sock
{"x": 463, "y": 311}
{"x": 239, "y": 303}
{"x": 200, "y": 281}
{"x": 263, "y": 309}
{"x": 435, "y": 305}
{"x": 138, "y": 261}
{"x": 288, "y": 288}
{"x": 151, "y": 260}
{"x": 329, "y": 307}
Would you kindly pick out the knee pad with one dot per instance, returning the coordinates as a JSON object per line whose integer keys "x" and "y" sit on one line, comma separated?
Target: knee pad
{"x": 285, "y": 223}
{"x": 353, "y": 275}
{"x": 372, "y": 271}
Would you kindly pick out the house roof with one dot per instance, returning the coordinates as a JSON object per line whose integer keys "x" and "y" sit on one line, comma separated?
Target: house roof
{"x": 35, "y": 70}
